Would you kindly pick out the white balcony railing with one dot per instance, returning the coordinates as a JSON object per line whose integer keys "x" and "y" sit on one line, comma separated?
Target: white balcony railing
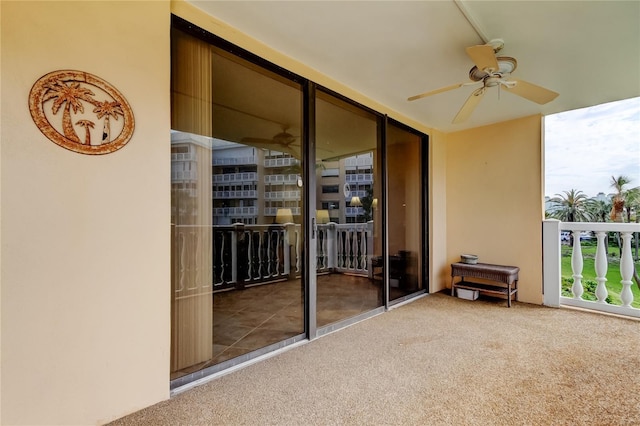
{"x": 552, "y": 254}
{"x": 273, "y": 211}
{"x": 359, "y": 178}
{"x": 236, "y": 194}
{"x": 280, "y": 162}
{"x": 236, "y": 177}
{"x": 290, "y": 179}
{"x": 234, "y": 161}
{"x": 235, "y": 211}
{"x": 282, "y": 195}
{"x": 252, "y": 254}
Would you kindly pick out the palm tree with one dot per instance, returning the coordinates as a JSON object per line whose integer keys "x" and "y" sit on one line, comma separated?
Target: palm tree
{"x": 70, "y": 96}
{"x": 617, "y": 209}
{"x": 599, "y": 210}
{"x": 87, "y": 124}
{"x": 107, "y": 109}
{"x": 632, "y": 200}
{"x": 573, "y": 206}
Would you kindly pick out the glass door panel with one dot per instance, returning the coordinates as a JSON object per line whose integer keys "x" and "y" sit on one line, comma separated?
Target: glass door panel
{"x": 403, "y": 151}
{"x": 236, "y": 207}
{"x": 349, "y": 232}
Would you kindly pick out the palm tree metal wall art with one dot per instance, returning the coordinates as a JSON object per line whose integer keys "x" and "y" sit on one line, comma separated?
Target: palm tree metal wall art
{"x": 72, "y": 91}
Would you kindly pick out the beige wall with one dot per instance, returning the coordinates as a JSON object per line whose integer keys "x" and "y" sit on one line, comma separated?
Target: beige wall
{"x": 85, "y": 259}
{"x": 439, "y": 266}
{"x": 493, "y": 198}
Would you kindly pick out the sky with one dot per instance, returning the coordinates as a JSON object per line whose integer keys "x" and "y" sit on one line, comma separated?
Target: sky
{"x": 585, "y": 147}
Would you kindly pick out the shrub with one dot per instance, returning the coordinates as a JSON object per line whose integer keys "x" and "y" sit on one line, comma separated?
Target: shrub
{"x": 589, "y": 287}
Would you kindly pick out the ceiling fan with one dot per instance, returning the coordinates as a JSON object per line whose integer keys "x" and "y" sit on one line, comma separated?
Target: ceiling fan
{"x": 283, "y": 142}
{"x": 491, "y": 71}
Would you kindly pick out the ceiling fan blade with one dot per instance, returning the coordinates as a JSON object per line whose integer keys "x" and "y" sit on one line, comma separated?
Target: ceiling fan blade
{"x": 469, "y": 105}
{"x": 484, "y": 57}
{"x": 532, "y": 92}
{"x": 272, "y": 145}
{"x": 435, "y": 92}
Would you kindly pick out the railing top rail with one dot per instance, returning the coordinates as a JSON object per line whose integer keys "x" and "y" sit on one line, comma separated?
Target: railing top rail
{"x": 600, "y": 226}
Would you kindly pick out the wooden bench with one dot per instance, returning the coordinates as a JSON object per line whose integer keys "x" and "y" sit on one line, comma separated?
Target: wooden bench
{"x": 505, "y": 276}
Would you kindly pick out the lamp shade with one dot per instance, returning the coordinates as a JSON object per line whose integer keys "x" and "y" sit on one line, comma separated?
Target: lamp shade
{"x": 284, "y": 216}
{"x": 355, "y": 202}
{"x": 322, "y": 216}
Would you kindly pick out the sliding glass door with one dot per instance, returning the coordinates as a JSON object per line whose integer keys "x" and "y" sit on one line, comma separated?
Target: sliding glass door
{"x": 294, "y": 211}
{"x": 348, "y": 218}
{"x": 406, "y": 221}
{"x": 236, "y": 207}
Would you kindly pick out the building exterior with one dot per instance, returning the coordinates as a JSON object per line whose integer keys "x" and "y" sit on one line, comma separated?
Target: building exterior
{"x": 87, "y": 261}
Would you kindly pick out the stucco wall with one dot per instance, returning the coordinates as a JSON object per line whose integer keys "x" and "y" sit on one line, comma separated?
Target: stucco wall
{"x": 85, "y": 239}
{"x": 439, "y": 265}
{"x": 494, "y": 193}
{"x": 85, "y": 244}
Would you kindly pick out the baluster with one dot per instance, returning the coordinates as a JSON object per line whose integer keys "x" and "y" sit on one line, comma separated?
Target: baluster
{"x": 298, "y": 229}
{"x": 279, "y": 244}
{"x": 318, "y": 259}
{"x": 353, "y": 249}
{"x": 234, "y": 255}
{"x": 249, "y": 235}
{"x": 601, "y": 267}
{"x": 181, "y": 245}
{"x": 269, "y": 251}
{"x": 358, "y": 248}
{"x": 332, "y": 247}
{"x": 345, "y": 248}
{"x": 363, "y": 249}
{"x": 339, "y": 249}
{"x": 286, "y": 248}
{"x": 626, "y": 270}
{"x": 325, "y": 247}
{"x": 260, "y": 248}
{"x": 576, "y": 266}
{"x": 222, "y": 250}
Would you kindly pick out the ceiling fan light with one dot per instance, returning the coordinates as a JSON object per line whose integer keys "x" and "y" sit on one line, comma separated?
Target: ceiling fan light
{"x": 506, "y": 64}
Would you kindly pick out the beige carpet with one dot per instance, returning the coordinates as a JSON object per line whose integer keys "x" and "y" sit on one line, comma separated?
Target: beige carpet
{"x": 436, "y": 361}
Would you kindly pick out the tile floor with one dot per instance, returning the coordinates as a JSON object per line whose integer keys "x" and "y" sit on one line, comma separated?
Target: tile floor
{"x": 250, "y": 319}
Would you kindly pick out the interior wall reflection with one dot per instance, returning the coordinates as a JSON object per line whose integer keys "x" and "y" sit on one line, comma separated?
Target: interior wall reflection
{"x": 348, "y": 218}
{"x": 404, "y": 182}
{"x": 236, "y": 206}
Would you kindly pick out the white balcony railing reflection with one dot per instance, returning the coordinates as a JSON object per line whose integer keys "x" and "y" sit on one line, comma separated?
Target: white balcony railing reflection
{"x": 236, "y": 177}
{"x": 284, "y": 179}
{"x": 244, "y": 255}
{"x": 345, "y": 248}
{"x": 280, "y": 162}
{"x": 235, "y": 211}
{"x": 552, "y": 240}
{"x": 273, "y": 211}
{"x": 251, "y": 193}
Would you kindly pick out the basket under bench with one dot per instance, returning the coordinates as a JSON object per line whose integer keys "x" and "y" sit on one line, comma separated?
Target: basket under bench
{"x": 505, "y": 276}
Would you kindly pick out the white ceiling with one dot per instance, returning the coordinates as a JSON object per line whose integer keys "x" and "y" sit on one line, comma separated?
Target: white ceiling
{"x": 588, "y": 51}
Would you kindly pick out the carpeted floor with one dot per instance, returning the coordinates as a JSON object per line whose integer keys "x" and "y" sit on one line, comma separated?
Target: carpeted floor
{"x": 436, "y": 361}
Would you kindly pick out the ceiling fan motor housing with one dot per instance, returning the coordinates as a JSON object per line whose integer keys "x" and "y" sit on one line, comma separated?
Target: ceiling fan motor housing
{"x": 506, "y": 65}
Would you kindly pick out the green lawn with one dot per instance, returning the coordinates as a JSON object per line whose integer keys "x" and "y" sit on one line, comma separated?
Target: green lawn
{"x": 589, "y": 274}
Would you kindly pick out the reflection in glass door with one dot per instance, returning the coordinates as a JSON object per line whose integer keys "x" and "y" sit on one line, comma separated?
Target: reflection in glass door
{"x": 236, "y": 208}
{"x": 405, "y": 219}
{"x": 349, "y": 233}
